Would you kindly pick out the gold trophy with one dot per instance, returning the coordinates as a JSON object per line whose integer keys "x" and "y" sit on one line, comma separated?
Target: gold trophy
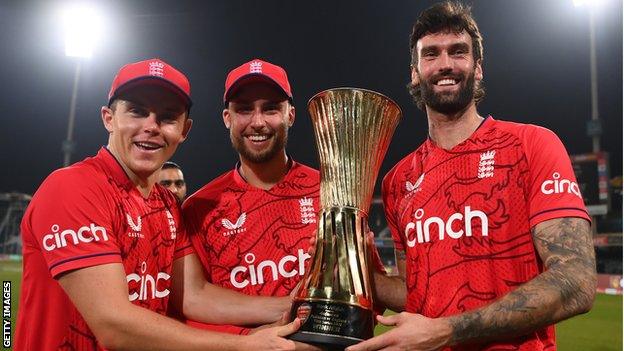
{"x": 353, "y": 128}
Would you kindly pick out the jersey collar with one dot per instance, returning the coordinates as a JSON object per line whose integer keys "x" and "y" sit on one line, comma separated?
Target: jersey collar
{"x": 114, "y": 170}
{"x": 240, "y": 181}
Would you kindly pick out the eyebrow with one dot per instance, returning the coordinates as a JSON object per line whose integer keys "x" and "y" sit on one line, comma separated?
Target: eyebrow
{"x": 453, "y": 46}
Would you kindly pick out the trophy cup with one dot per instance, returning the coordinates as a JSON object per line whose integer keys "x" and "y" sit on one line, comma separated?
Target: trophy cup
{"x": 353, "y": 128}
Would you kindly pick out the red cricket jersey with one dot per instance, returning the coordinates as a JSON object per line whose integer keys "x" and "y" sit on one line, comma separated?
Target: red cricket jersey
{"x": 86, "y": 215}
{"x": 252, "y": 240}
{"x": 463, "y": 217}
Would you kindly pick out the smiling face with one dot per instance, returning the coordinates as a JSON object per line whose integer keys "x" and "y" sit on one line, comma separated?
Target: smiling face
{"x": 445, "y": 71}
{"x": 145, "y": 126}
{"x": 258, "y": 117}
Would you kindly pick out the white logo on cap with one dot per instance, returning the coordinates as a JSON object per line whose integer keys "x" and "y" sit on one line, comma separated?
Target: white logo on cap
{"x": 255, "y": 67}
{"x": 156, "y": 68}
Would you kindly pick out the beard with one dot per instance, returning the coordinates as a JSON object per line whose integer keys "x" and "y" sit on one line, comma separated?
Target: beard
{"x": 448, "y": 103}
{"x": 277, "y": 143}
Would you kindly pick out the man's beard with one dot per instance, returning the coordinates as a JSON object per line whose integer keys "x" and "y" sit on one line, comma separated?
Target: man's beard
{"x": 277, "y": 144}
{"x": 449, "y": 103}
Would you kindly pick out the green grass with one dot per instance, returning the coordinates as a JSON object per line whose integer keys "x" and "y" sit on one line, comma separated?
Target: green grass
{"x": 600, "y": 329}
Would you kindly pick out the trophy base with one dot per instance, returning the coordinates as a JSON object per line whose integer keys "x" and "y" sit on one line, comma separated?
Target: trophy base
{"x": 326, "y": 341}
{"x": 330, "y": 324}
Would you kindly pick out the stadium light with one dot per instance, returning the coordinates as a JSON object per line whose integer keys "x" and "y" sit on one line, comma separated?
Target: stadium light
{"x": 579, "y": 3}
{"x": 83, "y": 27}
{"x": 594, "y": 127}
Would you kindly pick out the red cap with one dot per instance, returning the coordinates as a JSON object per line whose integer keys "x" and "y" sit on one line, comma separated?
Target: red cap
{"x": 153, "y": 71}
{"x": 253, "y": 71}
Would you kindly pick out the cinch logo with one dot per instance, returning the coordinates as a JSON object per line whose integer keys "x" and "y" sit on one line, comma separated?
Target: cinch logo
{"x": 423, "y": 229}
{"x": 84, "y": 234}
{"x": 147, "y": 285}
{"x": 557, "y": 186}
{"x": 234, "y": 228}
{"x": 256, "y": 273}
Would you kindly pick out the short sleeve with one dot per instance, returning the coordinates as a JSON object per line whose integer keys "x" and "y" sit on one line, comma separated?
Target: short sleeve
{"x": 183, "y": 244}
{"x": 553, "y": 191}
{"x": 388, "y": 195}
{"x": 71, "y": 222}
{"x": 193, "y": 224}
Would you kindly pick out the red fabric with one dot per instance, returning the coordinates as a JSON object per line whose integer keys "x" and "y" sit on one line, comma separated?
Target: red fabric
{"x": 463, "y": 217}
{"x": 153, "y": 71}
{"x": 254, "y": 70}
{"x": 251, "y": 240}
{"x": 86, "y": 215}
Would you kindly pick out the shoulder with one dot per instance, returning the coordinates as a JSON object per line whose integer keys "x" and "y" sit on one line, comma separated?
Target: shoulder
{"x": 410, "y": 162}
{"x": 528, "y": 133}
{"x": 304, "y": 170}
{"x": 209, "y": 193}
{"x": 81, "y": 179}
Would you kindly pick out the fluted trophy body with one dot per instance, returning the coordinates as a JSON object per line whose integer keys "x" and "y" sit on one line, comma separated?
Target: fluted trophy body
{"x": 353, "y": 128}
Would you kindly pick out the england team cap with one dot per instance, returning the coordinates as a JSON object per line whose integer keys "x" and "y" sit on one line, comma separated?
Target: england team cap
{"x": 153, "y": 71}
{"x": 253, "y": 71}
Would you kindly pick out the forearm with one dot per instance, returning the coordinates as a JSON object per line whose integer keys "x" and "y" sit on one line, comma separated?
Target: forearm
{"x": 122, "y": 331}
{"x": 217, "y": 305}
{"x": 390, "y": 292}
{"x": 565, "y": 289}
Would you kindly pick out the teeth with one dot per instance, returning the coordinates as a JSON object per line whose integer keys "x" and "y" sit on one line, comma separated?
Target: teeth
{"x": 149, "y": 146}
{"x": 446, "y": 82}
{"x": 258, "y": 137}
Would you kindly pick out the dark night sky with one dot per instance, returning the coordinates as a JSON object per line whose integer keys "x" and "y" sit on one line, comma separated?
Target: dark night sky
{"x": 536, "y": 70}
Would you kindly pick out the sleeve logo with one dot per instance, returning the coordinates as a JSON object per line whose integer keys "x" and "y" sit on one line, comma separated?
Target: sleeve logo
{"x": 560, "y": 186}
{"x": 86, "y": 234}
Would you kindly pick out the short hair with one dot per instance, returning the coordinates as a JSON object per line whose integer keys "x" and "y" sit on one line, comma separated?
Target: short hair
{"x": 449, "y": 16}
{"x": 170, "y": 164}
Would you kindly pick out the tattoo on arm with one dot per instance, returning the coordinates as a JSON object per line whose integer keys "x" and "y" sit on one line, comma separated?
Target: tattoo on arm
{"x": 564, "y": 289}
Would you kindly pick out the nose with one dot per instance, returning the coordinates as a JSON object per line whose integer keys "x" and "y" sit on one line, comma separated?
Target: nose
{"x": 151, "y": 124}
{"x": 257, "y": 119}
{"x": 445, "y": 63}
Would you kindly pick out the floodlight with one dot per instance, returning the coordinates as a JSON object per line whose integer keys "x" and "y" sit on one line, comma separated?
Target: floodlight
{"x": 82, "y": 30}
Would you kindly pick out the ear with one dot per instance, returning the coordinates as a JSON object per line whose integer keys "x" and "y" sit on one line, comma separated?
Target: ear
{"x": 187, "y": 128}
{"x": 415, "y": 78}
{"x": 291, "y": 115}
{"x": 226, "y": 118}
{"x": 107, "y": 118}
{"x": 478, "y": 71}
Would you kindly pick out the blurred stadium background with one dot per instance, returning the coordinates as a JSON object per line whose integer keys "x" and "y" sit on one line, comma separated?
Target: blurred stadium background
{"x": 600, "y": 329}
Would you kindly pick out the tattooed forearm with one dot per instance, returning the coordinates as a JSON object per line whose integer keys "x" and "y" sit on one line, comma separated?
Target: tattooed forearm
{"x": 565, "y": 289}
